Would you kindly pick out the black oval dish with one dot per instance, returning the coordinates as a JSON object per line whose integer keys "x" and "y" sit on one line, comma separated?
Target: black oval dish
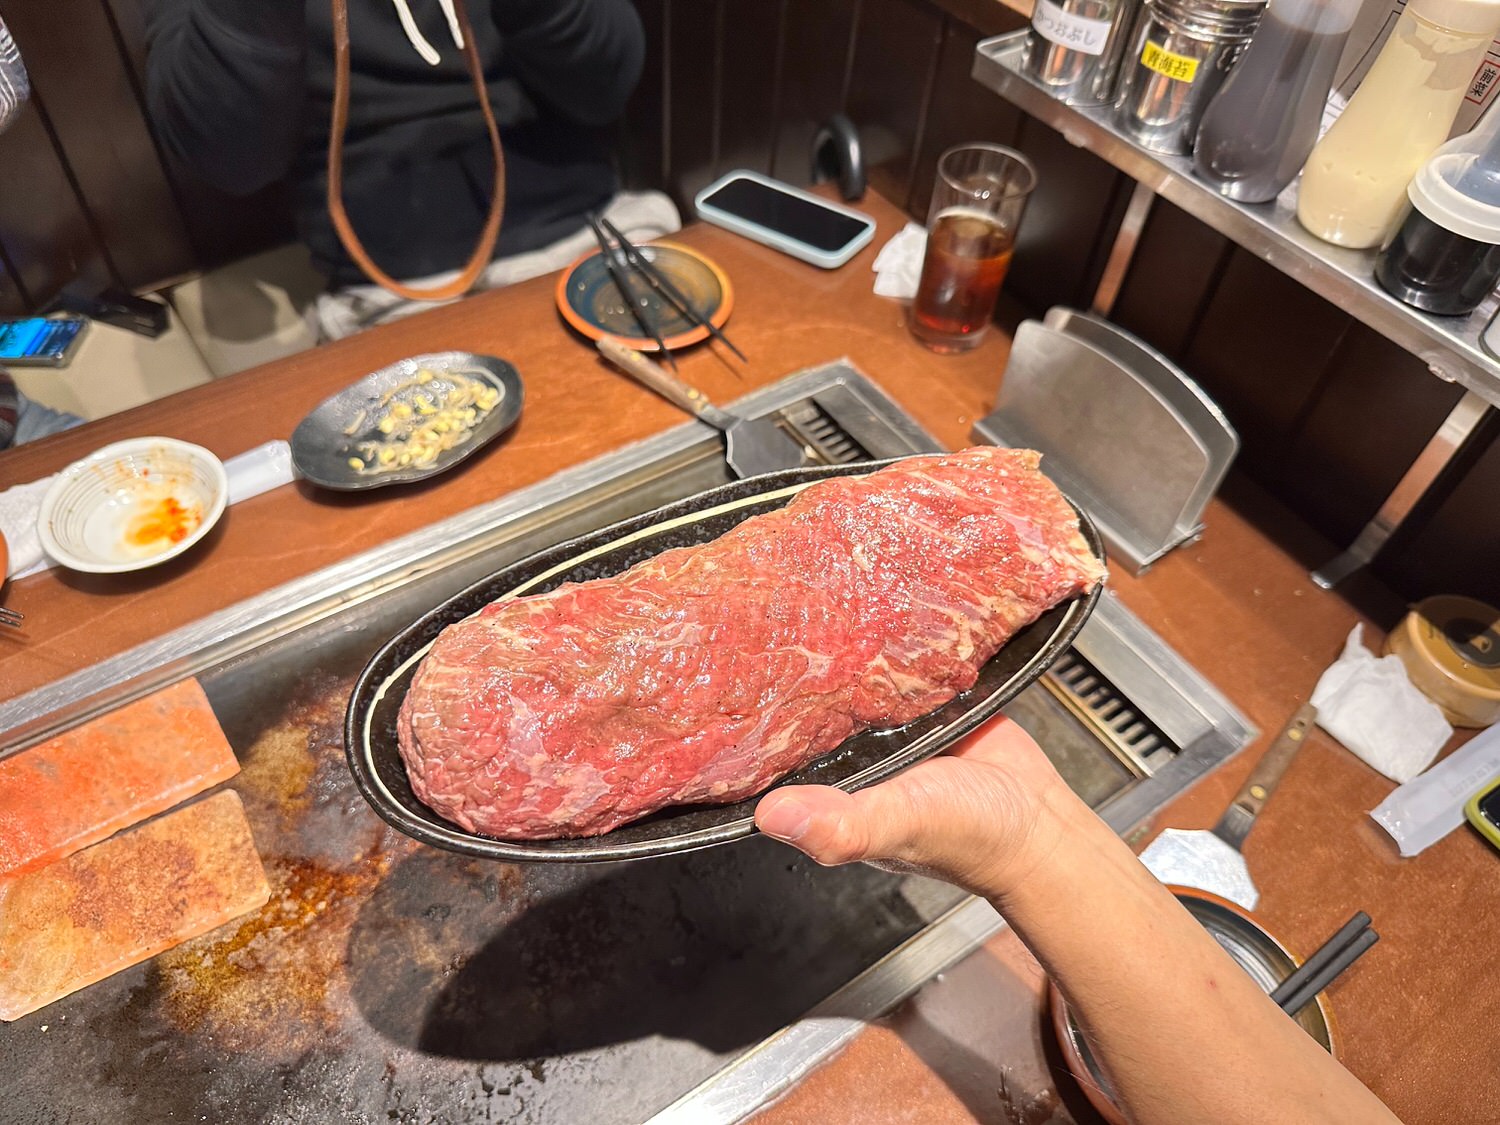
{"x": 864, "y": 759}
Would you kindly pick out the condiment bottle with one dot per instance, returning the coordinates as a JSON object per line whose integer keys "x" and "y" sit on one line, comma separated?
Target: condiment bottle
{"x": 1354, "y": 184}
{"x": 1257, "y": 131}
{"x": 1445, "y": 256}
{"x": 1180, "y": 53}
{"x": 1074, "y": 47}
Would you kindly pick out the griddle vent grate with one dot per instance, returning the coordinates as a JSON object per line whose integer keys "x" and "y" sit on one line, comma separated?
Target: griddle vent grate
{"x": 817, "y": 429}
{"x": 1135, "y": 740}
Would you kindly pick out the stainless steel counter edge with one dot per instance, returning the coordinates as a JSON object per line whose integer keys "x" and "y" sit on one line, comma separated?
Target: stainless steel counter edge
{"x": 1449, "y": 346}
{"x": 45, "y": 711}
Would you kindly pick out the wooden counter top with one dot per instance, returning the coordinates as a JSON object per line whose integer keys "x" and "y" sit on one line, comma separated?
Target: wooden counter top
{"x": 1414, "y": 1017}
{"x": 787, "y": 316}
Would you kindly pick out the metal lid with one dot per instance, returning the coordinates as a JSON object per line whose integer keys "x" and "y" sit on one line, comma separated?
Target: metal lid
{"x": 1215, "y": 19}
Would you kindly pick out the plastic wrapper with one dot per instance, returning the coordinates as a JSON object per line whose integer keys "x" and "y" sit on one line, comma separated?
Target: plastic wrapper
{"x": 1423, "y": 811}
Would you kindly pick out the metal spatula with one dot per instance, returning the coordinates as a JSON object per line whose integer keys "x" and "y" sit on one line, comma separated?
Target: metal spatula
{"x": 752, "y": 445}
{"x": 1212, "y": 860}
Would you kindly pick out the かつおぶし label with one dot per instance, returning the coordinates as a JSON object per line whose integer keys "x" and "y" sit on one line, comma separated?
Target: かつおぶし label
{"x": 1077, "y": 33}
{"x": 1179, "y": 68}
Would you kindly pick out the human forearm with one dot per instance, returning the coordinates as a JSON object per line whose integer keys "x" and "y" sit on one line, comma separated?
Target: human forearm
{"x": 1168, "y": 1012}
{"x": 1184, "y": 1033}
{"x": 226, "y": 85}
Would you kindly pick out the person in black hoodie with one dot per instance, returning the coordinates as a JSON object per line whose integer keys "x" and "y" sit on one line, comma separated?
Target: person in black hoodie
{"x": 241, "y": 91}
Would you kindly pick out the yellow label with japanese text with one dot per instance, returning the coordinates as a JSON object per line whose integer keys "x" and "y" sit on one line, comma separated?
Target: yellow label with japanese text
{"x": 1179, "y": 68}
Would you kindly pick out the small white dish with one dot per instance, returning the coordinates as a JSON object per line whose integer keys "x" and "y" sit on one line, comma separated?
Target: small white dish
{"x": 132, "y": 504}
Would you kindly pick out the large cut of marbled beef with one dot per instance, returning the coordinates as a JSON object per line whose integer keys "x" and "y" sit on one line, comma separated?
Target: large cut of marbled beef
{"x": 706, "y": 673}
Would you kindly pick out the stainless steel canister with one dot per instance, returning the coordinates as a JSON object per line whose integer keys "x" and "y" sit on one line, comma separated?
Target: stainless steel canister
{"x": 1179, "y": 56}
{"x": 1075, "y": 46}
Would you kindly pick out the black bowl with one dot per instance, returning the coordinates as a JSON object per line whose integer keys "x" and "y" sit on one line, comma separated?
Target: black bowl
{"x": 861, "y": 760}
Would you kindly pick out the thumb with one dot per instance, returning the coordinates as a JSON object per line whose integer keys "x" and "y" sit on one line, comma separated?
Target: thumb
{"x": 832, "y": 826}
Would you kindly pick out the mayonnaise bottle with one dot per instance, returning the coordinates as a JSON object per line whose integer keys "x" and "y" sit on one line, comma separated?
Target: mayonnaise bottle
{"x": 1354, "y": 183}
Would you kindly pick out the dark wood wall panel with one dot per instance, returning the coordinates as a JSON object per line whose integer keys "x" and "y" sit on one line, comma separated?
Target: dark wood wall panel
{"x": 1171, "y": 279}
{"x": 1069, "y": 221}
{"x": 752, "y": 55}
{"x": 820, "y": 43}
{"x": 46, "y": 233}
{"x": 1259, "y": 351}
{"x": 641, "y": 134}
{"x": 99, "y": 124}
{"x": 1457, "y": 551}
{"x": 14, "y": 299}
{"x": 693, "y": 51}
{"x": 890, "y": 84}
{"x": 1375, "y": 408}
{"x": 960, "y": 110}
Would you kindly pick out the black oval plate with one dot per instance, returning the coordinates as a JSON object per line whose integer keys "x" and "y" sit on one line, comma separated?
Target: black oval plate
{"x": 864, "y": 759}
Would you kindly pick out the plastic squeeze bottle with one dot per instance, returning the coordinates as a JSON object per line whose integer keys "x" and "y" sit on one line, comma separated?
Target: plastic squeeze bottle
{"x": 1445, "y": 256}
{"x": 1354, "y": 184}
{"x": 1259, "y": 128}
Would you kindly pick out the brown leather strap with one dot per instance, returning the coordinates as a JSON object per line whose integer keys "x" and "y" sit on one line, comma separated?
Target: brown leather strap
{"x": 485, "y": 250}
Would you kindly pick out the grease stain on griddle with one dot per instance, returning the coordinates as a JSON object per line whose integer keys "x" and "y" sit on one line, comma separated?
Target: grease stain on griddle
{"x": 275, "y": 983}
{"x": 266, "y": 983}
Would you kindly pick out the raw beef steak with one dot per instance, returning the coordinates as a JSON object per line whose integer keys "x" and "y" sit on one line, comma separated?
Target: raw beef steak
{"x": 706, "y": 673}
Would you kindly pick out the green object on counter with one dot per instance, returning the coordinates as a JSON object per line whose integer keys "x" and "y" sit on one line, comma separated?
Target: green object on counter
{"x": 1483, "y": 811}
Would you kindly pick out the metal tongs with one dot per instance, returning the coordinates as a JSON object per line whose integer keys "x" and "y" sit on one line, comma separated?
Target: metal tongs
{"x": 627, "y": 266}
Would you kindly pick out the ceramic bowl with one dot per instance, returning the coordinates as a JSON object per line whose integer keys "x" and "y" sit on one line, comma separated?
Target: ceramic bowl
{"x": 132, "y": 504}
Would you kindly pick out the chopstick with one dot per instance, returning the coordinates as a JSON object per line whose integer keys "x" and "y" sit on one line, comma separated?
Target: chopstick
{"x": 663, "y": 285}
{"x": 1332, "y": 958}
{"x": 11, "y": 617}
{"x": 627, "y": 291}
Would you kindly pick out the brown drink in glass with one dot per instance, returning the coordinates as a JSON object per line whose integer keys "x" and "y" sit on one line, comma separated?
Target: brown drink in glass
{"x": 977, "y": 202}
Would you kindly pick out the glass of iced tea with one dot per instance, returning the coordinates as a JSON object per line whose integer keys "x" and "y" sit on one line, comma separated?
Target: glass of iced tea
{"x": 977, "y": 201}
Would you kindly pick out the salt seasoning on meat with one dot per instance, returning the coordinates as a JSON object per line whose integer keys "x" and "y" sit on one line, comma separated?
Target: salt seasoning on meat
{"x": 706, "y": 673}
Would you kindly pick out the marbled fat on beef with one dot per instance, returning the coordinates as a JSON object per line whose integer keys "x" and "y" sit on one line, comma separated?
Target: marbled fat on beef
{"x": 706, "y": 673}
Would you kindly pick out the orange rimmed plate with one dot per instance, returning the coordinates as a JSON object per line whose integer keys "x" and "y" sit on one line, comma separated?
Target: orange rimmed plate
{"x": 591, "y": 303}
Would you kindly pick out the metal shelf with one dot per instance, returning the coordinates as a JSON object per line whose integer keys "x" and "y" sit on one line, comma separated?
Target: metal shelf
{"x": 1448, "y": 345}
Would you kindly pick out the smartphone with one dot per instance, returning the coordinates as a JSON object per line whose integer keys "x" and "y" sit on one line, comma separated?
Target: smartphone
{"x": 791, "y": 220}
{"x": 40, "y": 341}
{"x": 1483, "y": 811}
